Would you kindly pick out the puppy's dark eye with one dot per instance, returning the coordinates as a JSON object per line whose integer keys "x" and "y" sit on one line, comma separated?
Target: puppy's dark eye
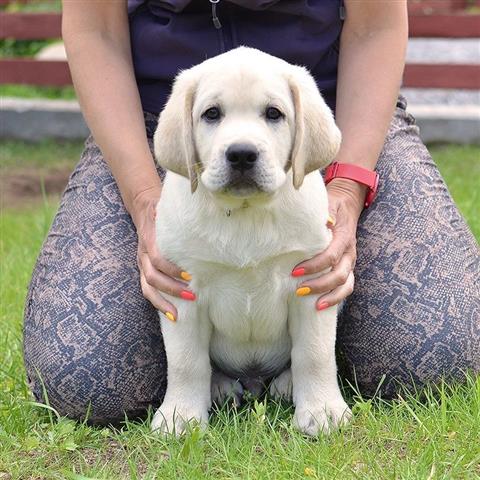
{"x": 272, "y": 113}
{"x": 212, "y": 114}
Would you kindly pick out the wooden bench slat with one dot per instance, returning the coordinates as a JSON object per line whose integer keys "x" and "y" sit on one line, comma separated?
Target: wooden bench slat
{"x": 442, "y": 76}
{"x": 30, "y": 26}
{"x": 55, "y": 73}
{"x": 444, "y": 26}
{"x": 34, "y": 72}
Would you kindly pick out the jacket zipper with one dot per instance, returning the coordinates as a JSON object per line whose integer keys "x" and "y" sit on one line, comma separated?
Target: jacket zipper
{"x": 342, "y": 10}
{"x": 217, "y": 24}
{"x": 216, "y": 21}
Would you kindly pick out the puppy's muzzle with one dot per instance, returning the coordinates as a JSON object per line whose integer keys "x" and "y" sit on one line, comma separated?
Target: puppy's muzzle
{"x": 241, "y": 156}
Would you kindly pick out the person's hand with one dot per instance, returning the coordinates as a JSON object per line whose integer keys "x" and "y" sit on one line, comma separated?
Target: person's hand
{"x": 157, "y": 274}
{"x": 345, "y": 200}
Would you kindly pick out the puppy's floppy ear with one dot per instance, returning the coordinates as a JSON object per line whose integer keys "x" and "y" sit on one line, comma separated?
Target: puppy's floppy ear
{"x": 173, "y": 140}
{"x": 317, "y": 138}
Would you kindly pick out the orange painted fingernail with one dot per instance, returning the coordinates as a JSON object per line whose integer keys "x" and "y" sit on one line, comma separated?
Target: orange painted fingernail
{"x": 322, "y": 305}
{"x": 331, "y": 221}
{"x": 298, "y": 272}
{"x": 170, "y": 316}
{"x": 187, "y": 295}
{"x": 186, "y": 276}
{"x": 302, "y": 291}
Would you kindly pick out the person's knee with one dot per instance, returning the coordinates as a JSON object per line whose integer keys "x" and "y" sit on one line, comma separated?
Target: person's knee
{"x": 80, "y": 393}
{"x": 123, "y": 375}
{"x": 388, "y": 371}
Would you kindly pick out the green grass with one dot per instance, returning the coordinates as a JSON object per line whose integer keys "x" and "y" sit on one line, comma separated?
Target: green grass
{"x": 435, "y": 437}
{"x": 31, "y": 91}
{"x": 460, "y": 167}
{"x": 44, "y": 154}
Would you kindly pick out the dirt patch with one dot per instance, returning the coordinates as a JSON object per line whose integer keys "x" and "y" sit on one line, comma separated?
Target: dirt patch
{"x": 23, "y": 187}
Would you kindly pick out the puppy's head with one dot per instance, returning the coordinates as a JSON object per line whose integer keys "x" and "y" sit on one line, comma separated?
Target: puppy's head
{"x": 239, "y": 121}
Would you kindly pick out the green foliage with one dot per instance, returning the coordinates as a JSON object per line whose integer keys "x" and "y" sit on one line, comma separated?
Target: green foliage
{"x": 33, "y": 6}
{"x": 9, "y": 47}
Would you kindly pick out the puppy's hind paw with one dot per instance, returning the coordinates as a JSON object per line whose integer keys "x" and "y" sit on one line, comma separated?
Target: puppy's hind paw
{"x": 226, "y": 389}
{"x": 281, "y": 386}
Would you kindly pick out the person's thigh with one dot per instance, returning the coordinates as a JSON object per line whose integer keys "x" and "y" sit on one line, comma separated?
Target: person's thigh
{"x": 414, "y": 315}
{"x": 91, "y": 341}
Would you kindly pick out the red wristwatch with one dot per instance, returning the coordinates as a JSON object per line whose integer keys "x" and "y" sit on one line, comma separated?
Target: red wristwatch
{"x": 358, "y": 174}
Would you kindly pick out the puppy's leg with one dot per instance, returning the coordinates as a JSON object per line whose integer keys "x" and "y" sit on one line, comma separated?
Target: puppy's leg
{"x": 225, "y": 388}
{"x": 188, "y": 370}
{"x": 316, "y": 394}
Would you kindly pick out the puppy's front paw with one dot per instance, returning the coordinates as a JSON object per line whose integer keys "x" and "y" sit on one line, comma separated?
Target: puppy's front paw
{"x": 174, "y": 419}
{"x": 312, "y": 419}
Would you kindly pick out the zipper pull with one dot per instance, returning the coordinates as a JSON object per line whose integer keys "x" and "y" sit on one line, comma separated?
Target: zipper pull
{"x": 215, "y": 19}
{"x": 342, "y": 11}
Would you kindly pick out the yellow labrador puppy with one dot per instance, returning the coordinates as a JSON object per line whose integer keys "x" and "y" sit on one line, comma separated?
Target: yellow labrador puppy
{"x": 243, "y": 136}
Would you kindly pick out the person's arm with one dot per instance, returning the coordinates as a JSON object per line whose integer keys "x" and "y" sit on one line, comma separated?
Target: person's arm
{"x": 97, "y": 41}
{"x": 372, "y": 56}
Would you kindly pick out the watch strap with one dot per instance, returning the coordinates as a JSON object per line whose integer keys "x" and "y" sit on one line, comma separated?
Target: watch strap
{"x": 366, "y": 177}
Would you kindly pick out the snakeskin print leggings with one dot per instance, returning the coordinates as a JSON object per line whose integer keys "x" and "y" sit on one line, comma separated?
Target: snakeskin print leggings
{"x": 93, "y": 343}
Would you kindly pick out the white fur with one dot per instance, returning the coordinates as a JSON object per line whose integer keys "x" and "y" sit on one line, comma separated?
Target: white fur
{"x": 240, "y": 244}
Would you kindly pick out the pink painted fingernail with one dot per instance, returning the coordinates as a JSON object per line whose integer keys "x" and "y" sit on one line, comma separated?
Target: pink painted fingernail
{"x": 186, "y": 295}
{"x": 298, "y": 272}
{"x": 322, "y": 305}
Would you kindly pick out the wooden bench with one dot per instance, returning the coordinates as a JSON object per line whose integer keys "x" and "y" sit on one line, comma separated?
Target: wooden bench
{"x": 39, "y": 26}
{"x": 453, "y": 26}
{"x": 32, "y": 26}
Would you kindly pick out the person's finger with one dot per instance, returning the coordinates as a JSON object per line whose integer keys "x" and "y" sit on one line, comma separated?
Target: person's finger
{"x": 331, "y": 222}
{"x": 163, "y": 282}
{"x": 337, "y": 295}
{"x": 162, "y": 264}
{"x": 328, "y": 281}
{"x": 157, "y": 300}
{"x": 167, "y": 267}
{"x": 326, "y": 259}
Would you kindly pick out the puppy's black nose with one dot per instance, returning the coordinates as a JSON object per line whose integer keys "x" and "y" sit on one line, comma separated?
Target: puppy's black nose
{"x": 242, "y": 156}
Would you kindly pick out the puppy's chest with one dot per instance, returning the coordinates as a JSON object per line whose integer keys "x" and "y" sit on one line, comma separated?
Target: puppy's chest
{"x": 247, "y": 305}
{"x": 248, "y": 311}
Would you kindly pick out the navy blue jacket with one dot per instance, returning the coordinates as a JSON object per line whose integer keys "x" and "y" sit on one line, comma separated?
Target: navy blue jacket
{"x": 168, "y": 36}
